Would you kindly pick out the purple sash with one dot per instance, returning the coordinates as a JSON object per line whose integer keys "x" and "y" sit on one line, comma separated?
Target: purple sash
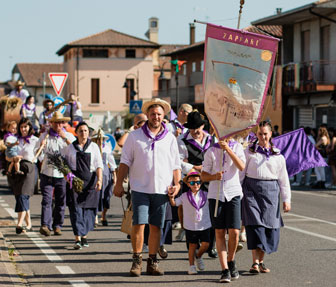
{"x": 231, "y": 145}
{"x": 197, "y": 145}
{"x": 197, "y": 205}
{"x": 158, "y": 137}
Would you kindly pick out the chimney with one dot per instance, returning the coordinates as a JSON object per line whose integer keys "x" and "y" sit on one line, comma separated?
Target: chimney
{"x": 278, "y": 11}
{"x": 192, "y": 33}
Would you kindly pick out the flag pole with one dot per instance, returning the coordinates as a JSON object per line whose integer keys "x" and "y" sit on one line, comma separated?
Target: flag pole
{"x": 242, "y": 2}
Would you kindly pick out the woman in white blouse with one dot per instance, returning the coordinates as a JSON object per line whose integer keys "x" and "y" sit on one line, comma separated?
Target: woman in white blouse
{"x": 23, "y": 185}
{"x": 265, "y": 177}
{"x": 86, "y": 163}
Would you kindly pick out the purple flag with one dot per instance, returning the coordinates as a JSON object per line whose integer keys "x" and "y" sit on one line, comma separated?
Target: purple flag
{"x": 299, "y": 152}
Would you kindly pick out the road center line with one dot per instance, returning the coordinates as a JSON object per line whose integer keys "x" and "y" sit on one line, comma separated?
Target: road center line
{"x": 310, "y": 218}
{"x": 311, "y": 233}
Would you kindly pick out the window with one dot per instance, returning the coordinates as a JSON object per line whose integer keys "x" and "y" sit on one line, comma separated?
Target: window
{"x": 153, "y": 24}
{"x": 130, "y": 53}
{"x": 95, "y": 53}
{"x": 193, "y": 67}
{"x": 305, "y": 46}
{"x": 325, "y": 43}
{"x": 130, "y": 93}
{"x": 202, "y": 66}
{"x": 95, "y": 91}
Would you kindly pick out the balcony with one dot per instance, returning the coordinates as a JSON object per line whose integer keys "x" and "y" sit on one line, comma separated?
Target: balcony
{"x": 313, "y": 76}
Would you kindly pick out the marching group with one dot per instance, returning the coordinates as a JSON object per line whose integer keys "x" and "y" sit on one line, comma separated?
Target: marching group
{"x": 215, "y": 186}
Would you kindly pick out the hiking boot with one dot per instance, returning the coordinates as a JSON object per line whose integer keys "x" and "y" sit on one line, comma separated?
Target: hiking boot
{"x": 44, "y": 230}
{"x": 136, "y": 265}
{"x": 233, "y": 270}
{"x": 153, "y": 267}
{"x": 57, "y": 231}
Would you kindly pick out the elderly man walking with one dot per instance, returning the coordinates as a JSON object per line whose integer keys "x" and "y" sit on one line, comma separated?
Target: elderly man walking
{"x": 151, "y": 157}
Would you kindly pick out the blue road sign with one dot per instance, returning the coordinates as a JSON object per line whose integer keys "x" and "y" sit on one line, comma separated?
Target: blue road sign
{"x": 112, "y": 141}
{"x": 135, "y": 107}
{"x": 57, "y": 101}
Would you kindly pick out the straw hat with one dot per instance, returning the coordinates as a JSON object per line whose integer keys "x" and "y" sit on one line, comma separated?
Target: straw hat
{"x": 156, "y": 101}
{"x": 19, "y": 83}
{"x": 193, "y": 172}
{"x": 58, "y": 117}
{"x": 98, "y": 133}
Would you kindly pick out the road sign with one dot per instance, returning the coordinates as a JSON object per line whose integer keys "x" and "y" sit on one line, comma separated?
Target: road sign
{"x": 135, "y": 107}
{"x": 58, "y": 81}
{"x": 57, "y": 101}
{"x": 112, "y": 141}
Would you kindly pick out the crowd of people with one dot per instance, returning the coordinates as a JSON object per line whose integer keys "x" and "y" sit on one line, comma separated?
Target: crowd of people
{"x": 177, "y": 172}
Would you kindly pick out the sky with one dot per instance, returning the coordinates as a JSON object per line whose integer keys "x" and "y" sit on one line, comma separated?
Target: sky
{"x": 32, "y": 31}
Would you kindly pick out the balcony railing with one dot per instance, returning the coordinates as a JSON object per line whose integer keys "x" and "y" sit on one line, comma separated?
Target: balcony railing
{"x": 308, "y": 76}
{"x": 185, "y": 95}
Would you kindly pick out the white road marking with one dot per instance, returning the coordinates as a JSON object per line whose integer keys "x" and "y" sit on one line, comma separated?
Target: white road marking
{"x": 1, "y": 200}
{"x": 310, "y": 218}
{"x": 296, "y": 220}
{"x": 311, "y": 233}
{"x": 65, "y": 270}
{"x": 316, "y": 193}
{"x": 4, "y": 204}
{"x": 78, "y": 283}
{"x": 11, "y": 212}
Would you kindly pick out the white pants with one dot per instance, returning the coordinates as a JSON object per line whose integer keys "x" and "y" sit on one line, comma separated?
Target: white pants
{"x": 320, "y": 173}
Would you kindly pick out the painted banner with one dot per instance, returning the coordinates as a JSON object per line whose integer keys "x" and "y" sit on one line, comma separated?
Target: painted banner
{"x": 238, "y": 68}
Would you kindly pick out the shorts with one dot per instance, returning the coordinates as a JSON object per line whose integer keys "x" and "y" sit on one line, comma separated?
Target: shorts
{"x": 149, "y": 208}
{"x": 228, "y": 213}
{"x": 197, "y": 236}
{"x": 22, "y": 203}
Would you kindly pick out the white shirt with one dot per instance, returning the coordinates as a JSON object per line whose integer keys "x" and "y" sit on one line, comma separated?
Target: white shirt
{"x": 29, "y": 109}
{"x": 189, "y": 213}
{"x": 150, "y": 171}
{"x": 258, "y": 167}
{"x": 22, "y": 95}
{"x": 172, "y": 127}
{"x": 230, "y": 185}
{"x": 183, "y": 150}
{"x": 109, "y": 156}
{"x": 96, "y": 160}
{"x": 28, "y": 150}
{"x": 54, "y": 145}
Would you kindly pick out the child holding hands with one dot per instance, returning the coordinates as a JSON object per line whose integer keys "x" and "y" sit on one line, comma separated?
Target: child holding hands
{"x": 196, "y": 219}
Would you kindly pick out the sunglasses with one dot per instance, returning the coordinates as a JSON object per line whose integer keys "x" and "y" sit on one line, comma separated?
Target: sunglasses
{"x": 194, "y": 182}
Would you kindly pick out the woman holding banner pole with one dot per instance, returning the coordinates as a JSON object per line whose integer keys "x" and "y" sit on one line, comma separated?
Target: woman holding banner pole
{"x": 265, "y": 179}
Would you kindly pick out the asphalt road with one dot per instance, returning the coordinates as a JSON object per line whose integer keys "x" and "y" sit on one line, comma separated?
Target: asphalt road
{"x": 306, "y": 256}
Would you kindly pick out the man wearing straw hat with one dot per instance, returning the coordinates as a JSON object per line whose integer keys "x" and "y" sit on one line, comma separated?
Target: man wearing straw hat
{"x": 19, "y": 92}
{"x": 52, "y": 181}
{"x": 150, "y": 155}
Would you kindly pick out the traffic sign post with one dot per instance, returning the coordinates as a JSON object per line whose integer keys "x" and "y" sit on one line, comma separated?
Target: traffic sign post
{"x": 135, "y": 106}
{"x": 58, "y": 81}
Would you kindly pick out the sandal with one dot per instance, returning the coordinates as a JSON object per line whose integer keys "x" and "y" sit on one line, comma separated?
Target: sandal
{"x": 263, "y": 268}
{"x": 254, "y": 268}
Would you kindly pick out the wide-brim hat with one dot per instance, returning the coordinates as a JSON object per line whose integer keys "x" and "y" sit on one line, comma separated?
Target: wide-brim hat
{"x": 47, "y": 101}
{"x": 156, "y": 101}
{"x": 96, "y": 134}
{"x": 194, "y": 120}
{"x": 19, "y": 83}
{"x": 58, "y": 117}
{"x": 193, "y": 172}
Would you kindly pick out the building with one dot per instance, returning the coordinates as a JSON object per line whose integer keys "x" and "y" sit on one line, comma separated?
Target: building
{"x": 309, "y": 63}
{"x": 106, "y": 70}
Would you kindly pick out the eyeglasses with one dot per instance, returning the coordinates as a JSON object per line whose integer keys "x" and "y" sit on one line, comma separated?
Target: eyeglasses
{"x": 194, "y": 182}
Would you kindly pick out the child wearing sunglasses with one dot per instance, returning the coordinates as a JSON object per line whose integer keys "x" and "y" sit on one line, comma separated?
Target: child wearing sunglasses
{"x": 196, "y": 219}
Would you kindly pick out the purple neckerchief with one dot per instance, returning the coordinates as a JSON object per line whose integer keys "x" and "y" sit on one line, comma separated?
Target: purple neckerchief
{"x": 265, "y": 151}
{"x": 70, "y": 176}
{"x": 197, "y": 205}
{"x": 231, "y": 145}
{"x": 158, "y": 137}
{"x": 8, "y": 134}
{"x": 178, "y": 124}
{"x": 28, "y": 108}
{"x": 26, "y": 138}
{"x": 196, "y": 144}
{"x": 54, "y": 134}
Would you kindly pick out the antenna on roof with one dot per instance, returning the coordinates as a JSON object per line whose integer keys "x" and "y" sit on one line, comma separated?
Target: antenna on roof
{"x": 242, "y": 2}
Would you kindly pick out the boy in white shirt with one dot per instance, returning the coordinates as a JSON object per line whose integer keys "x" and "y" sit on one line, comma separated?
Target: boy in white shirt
{"x": 196, "y": 219}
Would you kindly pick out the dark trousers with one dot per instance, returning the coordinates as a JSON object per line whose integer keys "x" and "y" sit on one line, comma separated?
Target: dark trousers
{"x": 52, "y": 186}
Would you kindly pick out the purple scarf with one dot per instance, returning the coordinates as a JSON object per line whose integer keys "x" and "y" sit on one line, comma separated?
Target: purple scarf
{"x": 197, "y": 205}
{"x": 177, "y": 124}
{"x": 8, "y": 134}
{"x": 197, "y": 145}
{"x": 158, "y": 137}
{"x": 265, "y": 151}
{"x": 231, "y": 145}
{"x": 54, "y": 134}
{"x": 26, "y": 138}
{"x": 27, "y": 108}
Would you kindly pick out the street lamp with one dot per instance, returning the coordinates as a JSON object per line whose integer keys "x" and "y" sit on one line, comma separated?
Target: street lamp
{"x": 136, "y": 77}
